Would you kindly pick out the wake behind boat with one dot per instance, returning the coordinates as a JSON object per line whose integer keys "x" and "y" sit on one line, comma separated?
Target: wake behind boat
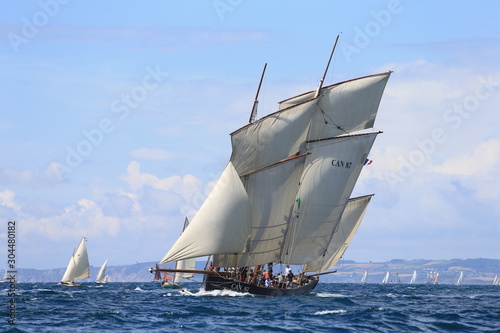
{"x": 283, "y": 198}
{"x": 78, "y": 266}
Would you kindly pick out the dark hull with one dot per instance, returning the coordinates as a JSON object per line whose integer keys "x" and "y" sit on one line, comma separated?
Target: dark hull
{"x": 215, "y": 282}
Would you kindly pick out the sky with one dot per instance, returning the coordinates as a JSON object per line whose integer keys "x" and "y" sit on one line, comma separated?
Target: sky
{"x": 115, "y": 118}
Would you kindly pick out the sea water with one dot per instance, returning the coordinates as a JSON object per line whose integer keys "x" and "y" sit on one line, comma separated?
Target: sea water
{"x": 331, "y": 307}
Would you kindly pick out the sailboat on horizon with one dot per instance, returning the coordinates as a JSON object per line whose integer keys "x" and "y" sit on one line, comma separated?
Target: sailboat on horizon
{"x": 365, "y": 276}
{"x": 386, "y": 278}
{"x": 413, "y": 277}
{"x": 460, "y": 278}
{"x": 284, "y": 197}
{"x": 496, "y": 280}
{"x": 78, "y": 266}
{"x": 101, "y": 275}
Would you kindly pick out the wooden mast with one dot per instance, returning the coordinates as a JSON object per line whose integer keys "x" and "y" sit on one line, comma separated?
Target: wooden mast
{"x": 326, "y": 69}
{"x": 256, "y": 101}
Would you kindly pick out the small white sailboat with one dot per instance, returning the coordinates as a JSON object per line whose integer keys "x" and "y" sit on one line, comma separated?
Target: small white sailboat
{"x": 413, "y": 277}
{"x": 186, "y": 264}
{"x": 496, "y": 281}
{"x": 365, "y": 275}
{"x": 78, "y": 267}
{"x": 460, "y": 278}
{"x": 436, "y": 277}
{"x": 101, "y": 276}
{"x": 386, "y": 278}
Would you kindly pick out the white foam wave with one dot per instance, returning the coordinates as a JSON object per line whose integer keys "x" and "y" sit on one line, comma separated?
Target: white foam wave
{"x": 331, "y": 295}
{"x": 215, "y": 293}
{"x": 325, "y": 312}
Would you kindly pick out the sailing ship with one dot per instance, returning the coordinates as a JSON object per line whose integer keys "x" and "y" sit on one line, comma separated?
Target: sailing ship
{"x": 363, "y": 279}
{"x": 184, "y": 269}
{"x": 413, "y": 277}
{"x": 166, "y": 281}
{"x": 283, "y": 197}
{"x": 101, "y": 275}
{"x": 78, "y": 267}
{"x": 385, "y": 280}
{"x": 496, "y": 280}
{"x": 460, "y": 278}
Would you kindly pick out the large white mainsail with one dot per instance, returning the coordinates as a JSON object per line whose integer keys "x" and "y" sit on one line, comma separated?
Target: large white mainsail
{"x": 349, "y": 223}
{"x": 329, "y": 176}
{"x": 272, "y": 196}
{"x": 78, "y": 267}
{"x": 101, "y": 275}
{"x": 222, "y": 225}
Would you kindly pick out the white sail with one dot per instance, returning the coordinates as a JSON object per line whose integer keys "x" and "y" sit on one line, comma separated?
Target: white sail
{"x": 272, "y": 138}
{"x": 188, "y": 264}
{"x": 436, "y": 277}
{"x": 330, "y": 173}
{"x": 351, "y": 218}
{"x": 222, "y": 225}
{"x": 496, "y": 281}
{"x": 346, "y": 106}
{"x": 460, "y": 278}
{"x": 78, "y": 267}
{"x": 271, "y": 193}
{"x": 365, "y": 276}
{"x": 386, "y": 278}
{"x": 101, "y": 275}
{"x": 413, "y": 277}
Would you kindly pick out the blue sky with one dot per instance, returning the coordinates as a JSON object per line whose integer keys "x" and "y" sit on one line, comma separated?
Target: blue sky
{"x": 114, "y": 117}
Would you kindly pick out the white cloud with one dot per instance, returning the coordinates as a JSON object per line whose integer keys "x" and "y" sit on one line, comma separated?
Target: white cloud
{"x": 7, "y": 200}
{"x": 20, "y": 176}
{"x": 152, "y": 154}
{"x": 485, "y": 159}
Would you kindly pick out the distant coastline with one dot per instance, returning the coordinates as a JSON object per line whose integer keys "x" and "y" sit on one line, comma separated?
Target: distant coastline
{"x": 476, "y": 271}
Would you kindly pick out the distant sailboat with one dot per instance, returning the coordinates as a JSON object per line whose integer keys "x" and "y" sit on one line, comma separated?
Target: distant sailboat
{"x": 101, "y": 276}
{"x": 436, "y": 278}
{"x": 365, "y": 275}
{"x": 78, "y": 267}
{"x": 496, "y": 281}
{"x": 460, "y": 278}
{"x": 386, "y": 278}
{"x": 184, "y": 269}
{"x": 413, "y": 277}
{"x": 186, "y": 264}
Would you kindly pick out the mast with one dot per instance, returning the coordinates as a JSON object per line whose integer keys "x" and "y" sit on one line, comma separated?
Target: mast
{"x": 326, "y": 69}
{"x": 256, "y": 101}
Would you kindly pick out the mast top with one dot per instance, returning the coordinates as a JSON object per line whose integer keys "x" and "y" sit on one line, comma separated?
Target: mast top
{"x": 256, "y": 101}
{"x": 326, "y": 69}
